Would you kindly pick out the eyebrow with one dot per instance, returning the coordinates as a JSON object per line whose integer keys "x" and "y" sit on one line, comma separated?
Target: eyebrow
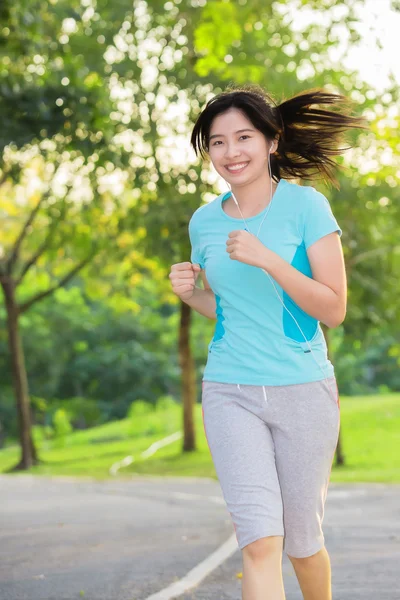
{"x": 222, "y": 135}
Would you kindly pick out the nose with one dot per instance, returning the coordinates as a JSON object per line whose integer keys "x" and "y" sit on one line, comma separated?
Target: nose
{"x": 231, "y": 151}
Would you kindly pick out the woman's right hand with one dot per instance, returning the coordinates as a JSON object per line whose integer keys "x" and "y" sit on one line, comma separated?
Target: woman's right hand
{"x": 183, "y": 278}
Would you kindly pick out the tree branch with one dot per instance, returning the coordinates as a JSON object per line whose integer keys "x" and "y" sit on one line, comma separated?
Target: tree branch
{"x": 17, "y": 246}
{"x": 24, "y": 307}
{"x": 41, "y": 248}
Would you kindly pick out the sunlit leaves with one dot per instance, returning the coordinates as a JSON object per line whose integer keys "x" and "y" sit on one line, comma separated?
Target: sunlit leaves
{"x": 217, "y": 31}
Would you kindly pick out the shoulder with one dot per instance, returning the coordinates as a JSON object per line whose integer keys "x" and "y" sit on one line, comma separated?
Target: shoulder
{"x": 309, "y": 200}
{"x": 205, "y": 211}
{"x": 313, "y": 198}
{"x": 307, "y": 194}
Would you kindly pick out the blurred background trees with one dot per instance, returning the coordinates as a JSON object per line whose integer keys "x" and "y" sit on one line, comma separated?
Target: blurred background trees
{"x": 98, "y": 183}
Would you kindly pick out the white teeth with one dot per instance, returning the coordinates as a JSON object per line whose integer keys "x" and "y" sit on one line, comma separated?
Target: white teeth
{"x": 237, "y": 167}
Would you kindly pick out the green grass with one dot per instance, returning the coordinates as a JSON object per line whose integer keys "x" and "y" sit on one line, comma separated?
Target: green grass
{"x": 370, "y": 433}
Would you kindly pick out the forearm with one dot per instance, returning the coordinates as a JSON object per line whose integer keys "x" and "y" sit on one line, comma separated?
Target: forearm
{"x": 315, "y": 298}
{"x": 203, "y": 301}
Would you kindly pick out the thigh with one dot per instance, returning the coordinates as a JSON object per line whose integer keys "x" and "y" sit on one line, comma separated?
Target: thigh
{"x": 305, "y": 440}
{"x": 243, "y": 454}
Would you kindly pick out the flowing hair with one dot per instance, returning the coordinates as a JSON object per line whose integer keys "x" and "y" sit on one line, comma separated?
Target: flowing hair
{"x": 308, "y": 135}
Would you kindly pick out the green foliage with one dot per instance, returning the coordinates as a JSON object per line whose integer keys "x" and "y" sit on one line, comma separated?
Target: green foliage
{"x": 166, "y": 403}
{"x": 8, "y": 412}
{"x": 146, "y": 420}
{"x": 139, "y": 408}
{"x": 40, "y": 405}
{"x": 53, "y": 79}
{"x": 62, "y": 427}
{"x": 42, "y": 435}
{"x": 83, "y": 412}
{"x": 214, "y": 36}
{"x": 384, "y": 389}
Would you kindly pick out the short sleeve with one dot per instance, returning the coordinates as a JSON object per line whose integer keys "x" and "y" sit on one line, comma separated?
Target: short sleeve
{"x": 318, "y": 218}
{"x": 196, "y": 256}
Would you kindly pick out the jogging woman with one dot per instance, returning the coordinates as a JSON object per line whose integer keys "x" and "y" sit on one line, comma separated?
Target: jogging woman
{"x": 271, "y": 261}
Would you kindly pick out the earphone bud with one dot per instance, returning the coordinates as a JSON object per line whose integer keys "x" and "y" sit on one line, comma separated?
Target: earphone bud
{"x": 270, "y": 150}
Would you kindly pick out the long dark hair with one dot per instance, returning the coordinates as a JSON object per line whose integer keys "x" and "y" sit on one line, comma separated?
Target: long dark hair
{"x": 308, "y": 135}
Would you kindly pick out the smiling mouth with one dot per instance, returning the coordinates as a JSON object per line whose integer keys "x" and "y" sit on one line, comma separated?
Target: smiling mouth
{"x": 237, "y": 168}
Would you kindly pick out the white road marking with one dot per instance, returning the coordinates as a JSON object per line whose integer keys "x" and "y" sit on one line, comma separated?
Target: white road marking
{"x": 170, "y": 439}
{"x": 128, "y": 460}
{"x": 200, "y": 572}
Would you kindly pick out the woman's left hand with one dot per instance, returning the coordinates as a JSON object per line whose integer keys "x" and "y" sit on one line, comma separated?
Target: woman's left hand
{"x": 247, "y": 248}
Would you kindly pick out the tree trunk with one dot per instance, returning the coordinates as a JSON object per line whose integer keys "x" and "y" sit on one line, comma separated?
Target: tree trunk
{"x": 28, "y": 456}
{"x": 339, "y": 451}
{"x": 188, "y": 378}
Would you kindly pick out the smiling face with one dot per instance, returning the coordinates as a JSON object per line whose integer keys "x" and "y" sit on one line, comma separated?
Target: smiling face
{"x": 238, "y": 150}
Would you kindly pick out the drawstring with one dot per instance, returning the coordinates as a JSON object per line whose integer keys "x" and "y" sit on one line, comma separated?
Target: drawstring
{"x": 264, "y": 392}
{"x": 265, "y": 395}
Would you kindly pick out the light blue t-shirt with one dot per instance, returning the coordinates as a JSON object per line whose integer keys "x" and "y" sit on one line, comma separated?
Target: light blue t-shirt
{"x": 256, "y": 341}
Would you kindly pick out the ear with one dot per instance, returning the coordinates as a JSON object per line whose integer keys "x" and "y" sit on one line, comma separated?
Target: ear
{"x": 274, "y": 146}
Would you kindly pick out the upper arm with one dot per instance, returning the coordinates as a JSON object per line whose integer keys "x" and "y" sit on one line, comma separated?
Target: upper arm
{"x": 328, "y": 266}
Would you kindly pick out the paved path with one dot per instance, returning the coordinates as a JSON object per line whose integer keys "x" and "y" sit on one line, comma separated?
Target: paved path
{"x": 68, "y": 539}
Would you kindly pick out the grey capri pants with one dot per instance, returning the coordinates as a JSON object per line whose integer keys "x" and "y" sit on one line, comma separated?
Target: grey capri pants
{"x": 272, "y": 449}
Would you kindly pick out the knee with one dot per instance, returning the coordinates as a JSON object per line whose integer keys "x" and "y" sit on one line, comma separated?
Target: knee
{"x": 263, "y": 547}
{"x": 305, "y": 560}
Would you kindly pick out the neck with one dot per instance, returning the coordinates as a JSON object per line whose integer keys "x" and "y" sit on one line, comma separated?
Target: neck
{"x": 254, "y": 196}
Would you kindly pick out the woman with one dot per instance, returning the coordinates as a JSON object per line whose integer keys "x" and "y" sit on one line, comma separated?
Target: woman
{"x": 271, "y": 261}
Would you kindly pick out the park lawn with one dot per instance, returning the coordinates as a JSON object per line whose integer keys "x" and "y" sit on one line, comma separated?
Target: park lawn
{"x": 370, "y": 435}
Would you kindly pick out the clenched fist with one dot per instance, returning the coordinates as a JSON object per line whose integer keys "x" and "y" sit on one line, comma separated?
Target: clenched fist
{"x": 183, "y": 278}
